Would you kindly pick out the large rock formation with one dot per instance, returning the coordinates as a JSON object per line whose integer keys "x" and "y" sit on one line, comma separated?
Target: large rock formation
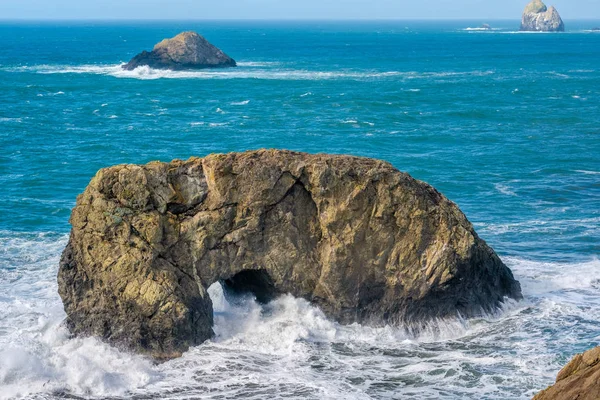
{"x": 188, "y": 50}
{"x": 539, "y": 18}
{"x": 579, "y": 379}
{"x": 354, "y": 236}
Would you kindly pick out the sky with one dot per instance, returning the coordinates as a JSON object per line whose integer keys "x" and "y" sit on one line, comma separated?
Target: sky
{"x": 485, "y": 10}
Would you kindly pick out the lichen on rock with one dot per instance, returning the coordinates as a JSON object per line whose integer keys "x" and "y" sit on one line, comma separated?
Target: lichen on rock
{"x": 354, "y": 236}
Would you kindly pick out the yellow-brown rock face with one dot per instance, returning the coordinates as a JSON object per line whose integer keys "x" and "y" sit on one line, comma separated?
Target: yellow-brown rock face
{"x": 578, "y": 380}
{"x": 358, "y": 238}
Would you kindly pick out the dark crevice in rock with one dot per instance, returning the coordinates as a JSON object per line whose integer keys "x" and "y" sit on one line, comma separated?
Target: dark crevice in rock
{"x": 258, "y": 282}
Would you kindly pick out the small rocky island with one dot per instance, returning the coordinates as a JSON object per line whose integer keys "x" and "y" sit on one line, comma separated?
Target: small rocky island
{"x": 356, "y": 237}
{"x": 539, "y": 18}
{"x": 579, "y": 379}
{"x": 186, "y": 51}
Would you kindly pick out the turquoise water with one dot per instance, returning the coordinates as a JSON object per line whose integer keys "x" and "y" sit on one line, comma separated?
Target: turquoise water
{"x": 507, "y": 125}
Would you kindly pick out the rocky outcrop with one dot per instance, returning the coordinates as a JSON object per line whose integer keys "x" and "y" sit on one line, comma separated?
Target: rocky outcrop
{"x": 539, "y": 18}
{"x": 188, "y": 50}
{"x": 579, "y": 379}
{"x": 356, "y": 237}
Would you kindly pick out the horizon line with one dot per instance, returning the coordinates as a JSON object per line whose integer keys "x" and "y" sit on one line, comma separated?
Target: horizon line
{"x": 275, "y": 19}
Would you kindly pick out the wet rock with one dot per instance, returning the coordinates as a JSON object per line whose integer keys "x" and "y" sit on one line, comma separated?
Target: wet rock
{"x": 188, "y": 50}
{"x": 354, "y": 236}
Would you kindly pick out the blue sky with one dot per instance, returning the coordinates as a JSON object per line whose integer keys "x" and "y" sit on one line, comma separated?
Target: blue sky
{"x": 285, "y": 9}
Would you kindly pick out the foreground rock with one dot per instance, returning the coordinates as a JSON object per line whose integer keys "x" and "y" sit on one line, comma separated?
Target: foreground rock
{"x": 188, "y": 50}
{"x": 579, "y": 379}
{"x": 354, "y": 236}
{"x": 539, "y": 18}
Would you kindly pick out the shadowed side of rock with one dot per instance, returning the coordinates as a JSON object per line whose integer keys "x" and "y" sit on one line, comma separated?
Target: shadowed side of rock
{"x": 579, "y": 379}
{"x": 358, "y": 238}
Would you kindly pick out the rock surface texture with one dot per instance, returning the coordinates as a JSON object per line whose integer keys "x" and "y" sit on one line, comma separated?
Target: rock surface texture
{"x": 579, "y": 379}
{"x": 352, "y": 235}
{"x": 539, "y": 18}
{"x": 188, "y": 50}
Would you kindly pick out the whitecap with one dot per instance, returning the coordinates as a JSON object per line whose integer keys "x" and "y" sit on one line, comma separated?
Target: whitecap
{"x": 291, "y": 348}
{"x": 504, "y": 189}
{"x": 258, "y": 63}
{"x": 558, "y": 74}
{"x": 147, "y": 73}
{"x": 240, "y": 103}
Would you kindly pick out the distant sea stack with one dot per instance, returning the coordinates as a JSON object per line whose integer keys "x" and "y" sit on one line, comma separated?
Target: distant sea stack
{"x": 354, "y": 236}
{"x": 579, "y": 379}
{"x": 539, "y": 18}
{"x": 188, "y": 50}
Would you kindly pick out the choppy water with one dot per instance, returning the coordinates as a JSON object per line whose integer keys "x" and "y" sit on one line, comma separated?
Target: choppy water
{"x": 506, "y": 125}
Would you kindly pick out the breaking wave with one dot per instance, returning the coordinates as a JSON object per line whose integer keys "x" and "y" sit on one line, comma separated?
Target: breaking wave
{"x": 288, "y": 347}
{"x": 243, "y": 71}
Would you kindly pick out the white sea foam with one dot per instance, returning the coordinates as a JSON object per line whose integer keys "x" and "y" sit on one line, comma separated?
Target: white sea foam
{"x": 288, "y": 348}
{"x": 559, "y": 226}
{"x": 480, "y": 29}
{"x": 37, "y": 355}
{"x": 545, "y": 278}
{"x": 258, "y": 63}
{"x": 240, "y": 103}
{"x": 267, "y": 72}
{"x": 11, "y": 120}
{"x": 504, "y": 189}
{"x": 558, "y": 74}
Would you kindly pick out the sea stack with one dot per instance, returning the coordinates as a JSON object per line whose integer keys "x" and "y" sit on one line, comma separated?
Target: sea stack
{"x": 354, "y": 236}
{"x": 188, "y": 50}
{"x": 539, "y": 18}
{"x": 579, "y": 379}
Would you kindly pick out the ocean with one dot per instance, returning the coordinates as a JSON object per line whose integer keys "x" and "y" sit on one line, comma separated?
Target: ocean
{"x": 505, "y": 124}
